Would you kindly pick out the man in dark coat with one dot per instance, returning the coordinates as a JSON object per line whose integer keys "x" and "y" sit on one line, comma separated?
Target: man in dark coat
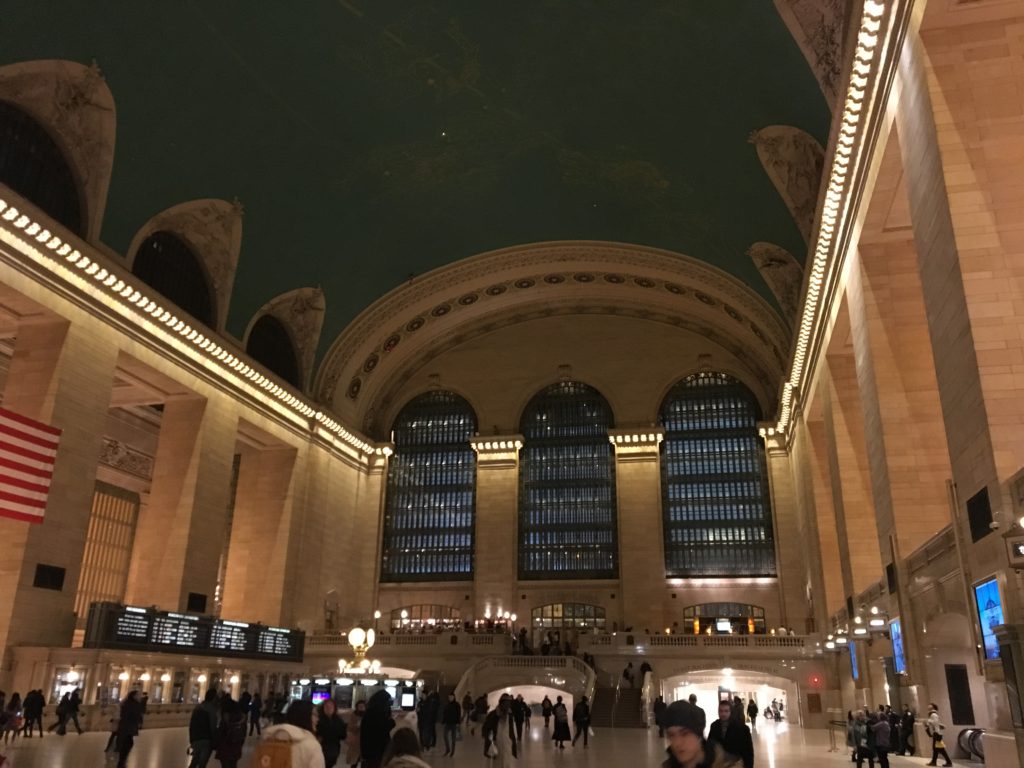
{"x": 659, "y": 714}
{"x": 128, "y": 727}
{"x": 519, "y": 715}
{"x": 202, "y": 727}
{"x": 732, "y": 734}
{"x": 375, "y": 730}
{"x": 684, "y": 727}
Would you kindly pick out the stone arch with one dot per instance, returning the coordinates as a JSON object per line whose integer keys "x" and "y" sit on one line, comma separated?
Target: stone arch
{"x": 301, "y": 313}
{"x": 74, "y": 105}
{"x": 213, "y": 230}
{"x": 170, "y": 266}
{"x": 415, "y": 322}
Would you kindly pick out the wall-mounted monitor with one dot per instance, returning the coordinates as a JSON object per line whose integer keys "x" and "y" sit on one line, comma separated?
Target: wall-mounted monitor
{"x": 853, "y": 660}
{"x": 898, "y": 657}
{"x": 990, "y": 615}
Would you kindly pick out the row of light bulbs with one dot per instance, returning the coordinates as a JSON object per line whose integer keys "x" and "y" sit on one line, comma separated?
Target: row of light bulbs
{"x": 875, "y": 623}
{"x": 867, "y": 43}
{"x": 123, "y": 294}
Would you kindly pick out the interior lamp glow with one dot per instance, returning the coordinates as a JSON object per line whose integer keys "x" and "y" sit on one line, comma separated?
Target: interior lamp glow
{"x": 234, "y": 680}
{"x": 165, "y": 677}
{"x": 123, "y": 676}
{"x": 201, "y": 679}
{"x": 145, "y": 677}
{"x": 72, "y": 676}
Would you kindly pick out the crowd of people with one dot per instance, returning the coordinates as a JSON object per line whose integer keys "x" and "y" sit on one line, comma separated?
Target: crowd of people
{"x": 874, "y": 735}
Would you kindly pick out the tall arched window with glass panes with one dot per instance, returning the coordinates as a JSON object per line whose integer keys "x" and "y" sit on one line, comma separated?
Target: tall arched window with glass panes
{"x": 567, "y": 512}
{"x": 715, "y": 502}
{"x": 430, "y": 503}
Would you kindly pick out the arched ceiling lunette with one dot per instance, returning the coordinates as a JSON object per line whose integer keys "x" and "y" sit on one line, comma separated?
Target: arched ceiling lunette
{"x": 601, "y": 276}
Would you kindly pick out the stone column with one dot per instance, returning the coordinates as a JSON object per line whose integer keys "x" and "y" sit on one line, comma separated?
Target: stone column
{"x": 793, "y": 541}
{"x": 825, "y": 513}
{"x": 851, "y": 490}
{"x": 495, "y": 565}
{"x": 259, "y": 569}
{"x": 180, "y": 533}
{"x": 641, "y": 527}
{"x": 63, "y": 376}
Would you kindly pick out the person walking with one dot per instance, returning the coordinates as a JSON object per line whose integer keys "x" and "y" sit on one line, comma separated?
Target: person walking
{"x": 32, "y": 709}
{"x": 545, "y": 710}
{"x": 255, "y": 713}
{"x": 859, "y": 735}
{"x": 561, "y": 733}
{"x": 479, "y": 712}
{"x": 376, "y": 729}
{"x": 628, "y": 675}
{"x": 450, "y": 719}
{"x": 499, "y": 731}
{"x": 62, "y": 714}
{"x": 297, "y": 729}
{"x": 331, "y": 731}
{"x": 129, "y": 722}
{"x": 231, "y": 733}
{"x": 519, "y": 716}
{"x": 581, "y": 719}
{"x": 12, "y": 718}
{"x": 883, "y": 736}
{"x": 430, "y": 709}
{"x": 659, "y": 714}
{"x": 202, "y": 729}
{"x": 467, "y": 706}
{"x": 355, "y": 726}
{"x": 907, "y": 732}
{"x": 732, "y": 734}
{"x": 752, "y": 713}
{"x": 404, "y": 751}
{"x": 937, "y": 730}
{"x": 73, "y": 706}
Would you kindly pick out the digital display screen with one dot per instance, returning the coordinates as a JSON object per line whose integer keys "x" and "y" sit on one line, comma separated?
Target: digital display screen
{"x": 408, "y": 700}
{"x": 853, "y": 660}
{"x": 898, "y": 658}
{"x": 111, "y": 625}
{"x": 990, "y": 615}
{"x": 723, "y": 625}
{"x": 319, "y": 697}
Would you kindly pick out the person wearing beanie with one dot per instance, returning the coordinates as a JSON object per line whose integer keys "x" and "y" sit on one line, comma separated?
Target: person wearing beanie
{"x": 684, "y": 728}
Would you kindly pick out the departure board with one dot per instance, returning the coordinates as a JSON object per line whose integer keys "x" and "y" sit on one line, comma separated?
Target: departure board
{"x": 112, "y": 625}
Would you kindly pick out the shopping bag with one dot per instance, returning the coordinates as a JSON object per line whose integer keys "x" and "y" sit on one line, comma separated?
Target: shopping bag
{"x": 940, "y": 744}
{"x": 591, "y": 731}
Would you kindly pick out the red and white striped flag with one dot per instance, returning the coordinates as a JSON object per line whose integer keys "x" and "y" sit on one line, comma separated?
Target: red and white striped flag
{"x": 28, "y": 450}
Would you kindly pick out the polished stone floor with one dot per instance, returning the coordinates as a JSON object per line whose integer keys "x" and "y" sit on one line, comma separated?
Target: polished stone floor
{"x": 776, "y": 746}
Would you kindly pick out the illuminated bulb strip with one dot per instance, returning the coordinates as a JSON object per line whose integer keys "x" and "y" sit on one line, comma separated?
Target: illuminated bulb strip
{"x": 863, "y": 69}
{"x": 638, "y": 438}
{"x": 121, "y": 292}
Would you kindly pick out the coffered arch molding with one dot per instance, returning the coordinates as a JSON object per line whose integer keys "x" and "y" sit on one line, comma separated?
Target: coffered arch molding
{"x": 385, "y": 396}
{"x": 441, "y": 309}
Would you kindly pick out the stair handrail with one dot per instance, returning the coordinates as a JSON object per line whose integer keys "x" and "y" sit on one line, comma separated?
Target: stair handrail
{"x": 589, "y": 673}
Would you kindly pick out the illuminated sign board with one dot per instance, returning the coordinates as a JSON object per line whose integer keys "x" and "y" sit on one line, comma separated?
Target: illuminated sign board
{"x": 112, "y": 625}
{"x": 898, "y": 657}
{"x": 990, "y": 615}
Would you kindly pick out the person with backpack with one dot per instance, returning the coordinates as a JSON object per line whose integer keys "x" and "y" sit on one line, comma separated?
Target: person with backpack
{"x": 545, "y": 710}
{"x": 231, "y": 733}
{"x": 291, "y": 744}
{"x": 62, "y": 714}
{"x": 561, "y": 733}
{"x": 331, "y": 730}
{"x": 202, "y": 730}
{"x": 937, "y": 730}
{"x": 581, "y": 719}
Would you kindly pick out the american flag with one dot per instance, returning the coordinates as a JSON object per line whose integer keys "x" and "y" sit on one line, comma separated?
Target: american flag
{"x": 27, "y": 451}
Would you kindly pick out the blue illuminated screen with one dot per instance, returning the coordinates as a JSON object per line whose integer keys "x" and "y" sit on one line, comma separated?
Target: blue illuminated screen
{"x": 990, "y": 615}
{"x": 899, "y": 660}
{"x": 853, "y": 660}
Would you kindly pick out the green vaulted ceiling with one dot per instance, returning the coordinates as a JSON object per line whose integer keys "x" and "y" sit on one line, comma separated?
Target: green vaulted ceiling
{"x": 369, "y": 141}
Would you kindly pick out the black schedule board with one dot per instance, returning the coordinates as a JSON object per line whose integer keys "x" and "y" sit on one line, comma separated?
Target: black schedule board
{"x": 112, "y": 625}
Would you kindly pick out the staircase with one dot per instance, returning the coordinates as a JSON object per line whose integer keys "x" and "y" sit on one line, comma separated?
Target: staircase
{"x": 626, "y": 713}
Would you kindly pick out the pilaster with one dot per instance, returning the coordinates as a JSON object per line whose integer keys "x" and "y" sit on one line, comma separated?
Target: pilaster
{"x": 641, "y": 528}
{"x": 495, "y": 567}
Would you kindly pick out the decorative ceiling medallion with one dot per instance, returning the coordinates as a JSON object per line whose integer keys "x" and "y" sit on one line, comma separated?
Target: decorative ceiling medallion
{"x": 415, "y": 324}
{"x": 643, "y": 282}
{"x": 554, "y": 279}
{"x": 392, "y": 342}
{"x": 469, "y": 298}
{"x": 676, "y": 289}
{"x": 615, "y": 278}
{"x": 371, "y": 363}
{"x": 441, "y": 310}
{"x": 496, "y": 290}
{"x": 524, "y": 283}
{"x": 705, "y": 298}
{"x": 583, "y": 277}
{"x": 354, "y": 387}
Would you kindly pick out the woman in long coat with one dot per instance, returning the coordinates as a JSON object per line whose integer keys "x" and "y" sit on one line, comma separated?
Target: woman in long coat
{"x": 561, "y": 733}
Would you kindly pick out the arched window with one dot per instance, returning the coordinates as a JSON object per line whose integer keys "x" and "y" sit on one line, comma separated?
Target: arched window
{"x": 167, "y": 265}
{"x": 717, "y": 515}
{"x": 270, "y": 345}
{"x": 431, "y": 492}
{"x": 32, "y": 165}
{"x": 567, "y": 511}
